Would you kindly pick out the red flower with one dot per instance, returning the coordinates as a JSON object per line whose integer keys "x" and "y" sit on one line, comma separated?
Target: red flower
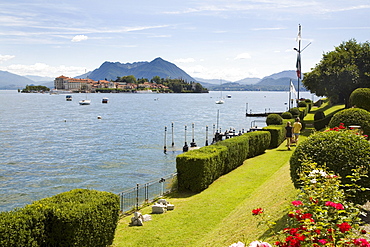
{"x": 344, "y": 227}
{"x": 257, "y": 211}
{"x": 363, "y": 231}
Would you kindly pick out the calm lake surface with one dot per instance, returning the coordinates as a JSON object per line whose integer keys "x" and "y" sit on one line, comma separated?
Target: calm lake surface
{"x": 50, "y": 145}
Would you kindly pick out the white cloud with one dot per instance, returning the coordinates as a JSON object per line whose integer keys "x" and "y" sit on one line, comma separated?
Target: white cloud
{"x": 79, "y": 38}
{"x": 244, "y": 55}
{"x": 41, "y": 69}
{"x": 4, "y": 58}
{"x": 185, "y": 60}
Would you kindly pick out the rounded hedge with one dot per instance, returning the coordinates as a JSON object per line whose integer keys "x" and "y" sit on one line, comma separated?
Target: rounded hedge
{"x": 360, "y": 97}
{"x": 287, "y": 115}
{"x": 352, "y": 116}
{"x": 274, "y": 119}
{"x": 319, "y": 115}
{"x": 294, "y": 111}
{"x": 302, "y": 104}
{"x": 340, "y": 151}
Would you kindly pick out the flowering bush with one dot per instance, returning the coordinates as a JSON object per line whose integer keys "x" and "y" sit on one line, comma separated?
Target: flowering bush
{"x": 342, "y": 152}
{"x": 320, "y": 216}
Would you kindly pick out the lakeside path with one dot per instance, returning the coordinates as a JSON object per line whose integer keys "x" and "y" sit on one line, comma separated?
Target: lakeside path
{"x": 220, "y": 215}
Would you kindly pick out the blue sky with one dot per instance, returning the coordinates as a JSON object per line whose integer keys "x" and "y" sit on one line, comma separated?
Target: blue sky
{"x": 218, "y": 39}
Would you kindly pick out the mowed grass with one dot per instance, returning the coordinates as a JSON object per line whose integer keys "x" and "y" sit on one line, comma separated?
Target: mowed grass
{"x": 220, "y": 215}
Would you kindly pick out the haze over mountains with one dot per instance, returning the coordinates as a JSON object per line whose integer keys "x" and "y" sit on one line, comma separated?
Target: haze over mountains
{"x": 157, "y": 67}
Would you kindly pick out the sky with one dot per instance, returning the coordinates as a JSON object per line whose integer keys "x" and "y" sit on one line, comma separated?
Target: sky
{"x": 218, "y": 39}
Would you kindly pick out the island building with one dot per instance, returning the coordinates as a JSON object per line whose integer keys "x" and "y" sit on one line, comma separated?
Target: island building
{"x": 88, "y": 85}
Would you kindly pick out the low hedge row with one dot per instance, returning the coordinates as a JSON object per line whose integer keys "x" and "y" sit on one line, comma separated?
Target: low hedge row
{"x": 198, "y": 168}
{"x": 79, "y": 217}
{"x": 277, "y": 134}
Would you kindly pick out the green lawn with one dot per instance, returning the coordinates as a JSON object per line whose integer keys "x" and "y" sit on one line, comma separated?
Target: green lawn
{"x": 220, "y": 215}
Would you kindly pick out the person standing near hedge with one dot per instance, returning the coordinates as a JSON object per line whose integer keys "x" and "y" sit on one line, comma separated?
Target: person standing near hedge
{"x": 297, "y": 126}
{"x": 288, "y": 134}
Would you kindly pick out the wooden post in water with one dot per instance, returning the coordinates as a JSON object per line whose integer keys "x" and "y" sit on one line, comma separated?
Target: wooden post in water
{"x": 192, "y": 144}
{"x": 186, "y": 147}
{"x": 206, "y": 135}
{"x": 173, "y": 143}
{"x": 165, "y": 139}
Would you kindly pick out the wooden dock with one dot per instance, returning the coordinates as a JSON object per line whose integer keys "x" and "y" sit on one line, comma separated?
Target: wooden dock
{"x": 261, "y": 114}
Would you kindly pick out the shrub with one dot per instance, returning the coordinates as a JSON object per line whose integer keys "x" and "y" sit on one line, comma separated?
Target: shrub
{"x": 259, "y": 141}
{"x": 76, "y": 218}
{"x": 274, "y": 119}
{"x": 277, "y": 134}
{"x": 302, "y": 104}
{"x": 319, "y": 115}
{"x": 352, "y": 116}
{"x": 360, "y": 97}
{"x": 340, "y": 152}
{"x": 294, "y": 111}
{"x": 287, "y": 115}
{"x": 198, "y": 168}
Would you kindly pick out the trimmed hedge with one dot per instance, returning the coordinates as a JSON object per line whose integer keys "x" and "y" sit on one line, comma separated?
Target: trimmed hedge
{"x": 259, "y": 141}
{"x": 352, "y": 116}
{"x": 340, "y": 151}
{"x": 360, "y": 97}
{"x": 277, "y": 134}
{"x": 79, "y": 217}
{"x": 198, "y": 168}
{"x": 274, "y": 119}
{"x": 287, "y": 115}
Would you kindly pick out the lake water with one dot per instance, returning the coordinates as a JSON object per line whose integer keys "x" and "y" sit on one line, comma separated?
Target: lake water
{"x": 50, "y": 145}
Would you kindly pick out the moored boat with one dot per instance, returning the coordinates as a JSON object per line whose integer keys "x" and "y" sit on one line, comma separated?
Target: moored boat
{"x": 68, "y": 97}
{"x": 105, "y": 100}
{"x": 84, "y": 102}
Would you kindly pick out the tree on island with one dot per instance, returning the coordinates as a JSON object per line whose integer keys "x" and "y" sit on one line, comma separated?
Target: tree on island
{"x": 32, "y": 88}
{"x": 340, "y": 72}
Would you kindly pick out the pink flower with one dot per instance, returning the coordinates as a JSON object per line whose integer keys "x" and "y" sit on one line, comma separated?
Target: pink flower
{"x": 297, "y": 203}
{"x": 323, "y": 241}
{"x": 259, "y": 244}
{"x": 238, "y": 244}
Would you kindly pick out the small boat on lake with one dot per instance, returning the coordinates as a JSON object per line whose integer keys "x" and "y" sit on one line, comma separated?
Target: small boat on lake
{"x": 84, "y": 102}
{"x": 105, "y": 100}
{"x": 68, "y": 97}
{"x": 229, "y": 96}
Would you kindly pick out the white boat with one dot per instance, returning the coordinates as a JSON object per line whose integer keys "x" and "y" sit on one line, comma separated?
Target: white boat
{"x": 220, "y": 101}
{"x": 84, "y": 102}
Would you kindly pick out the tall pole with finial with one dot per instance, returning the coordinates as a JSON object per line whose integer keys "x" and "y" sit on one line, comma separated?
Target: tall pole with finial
{"x": 298, "y": 63}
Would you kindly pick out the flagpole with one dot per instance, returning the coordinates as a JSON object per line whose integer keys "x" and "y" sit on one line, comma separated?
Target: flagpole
{"x": 299, "y": 66}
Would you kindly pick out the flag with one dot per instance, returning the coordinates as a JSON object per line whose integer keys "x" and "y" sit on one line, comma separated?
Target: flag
{"x": 298, "y": 66}
{"x": 299, "y": 37}
{"x": 292, "y": 89}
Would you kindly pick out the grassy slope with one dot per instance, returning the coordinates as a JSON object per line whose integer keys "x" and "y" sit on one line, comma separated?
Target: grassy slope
{"x": 220, "y": 215}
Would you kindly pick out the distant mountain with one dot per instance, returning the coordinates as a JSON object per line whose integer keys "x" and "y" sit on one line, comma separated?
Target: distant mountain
{"x": 157, "y": 67}
{"x": 286, "y": 73}
{"x": 281, "y": 79}
{"x": 275, "y": 82}
{"x": 12, "y": 81}
{"x": 248, "y": 81}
